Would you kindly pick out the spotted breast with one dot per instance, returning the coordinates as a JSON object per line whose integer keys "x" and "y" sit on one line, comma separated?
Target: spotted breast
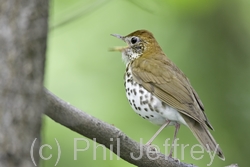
{"x": 146, "y": 105}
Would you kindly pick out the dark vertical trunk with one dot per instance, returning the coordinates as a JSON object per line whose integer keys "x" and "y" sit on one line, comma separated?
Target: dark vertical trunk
{"x": 23, "y": 33}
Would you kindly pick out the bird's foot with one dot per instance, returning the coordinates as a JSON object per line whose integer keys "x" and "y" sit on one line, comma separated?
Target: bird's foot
{"x": 151, "y": 148}
{"x": 175, "y": 159}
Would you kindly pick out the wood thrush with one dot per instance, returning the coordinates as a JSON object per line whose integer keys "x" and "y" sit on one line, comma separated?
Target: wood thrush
{"x": 160, "y": 92}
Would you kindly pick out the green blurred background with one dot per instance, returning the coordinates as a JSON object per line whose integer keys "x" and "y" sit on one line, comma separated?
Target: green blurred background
{"x": 208, "y": 40}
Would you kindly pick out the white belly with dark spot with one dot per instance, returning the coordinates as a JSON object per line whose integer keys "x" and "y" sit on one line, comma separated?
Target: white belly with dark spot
{"x": 148, "y": 106}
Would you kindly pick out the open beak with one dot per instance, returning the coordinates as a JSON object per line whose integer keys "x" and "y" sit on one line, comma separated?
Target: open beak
{"x": 119, "y": 48}
{"x": 118, "y": 36}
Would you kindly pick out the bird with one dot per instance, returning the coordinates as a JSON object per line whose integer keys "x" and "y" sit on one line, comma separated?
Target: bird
{"x": 160, "y": 92}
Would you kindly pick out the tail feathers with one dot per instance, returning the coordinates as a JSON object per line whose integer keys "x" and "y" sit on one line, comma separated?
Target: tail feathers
{"x": 203, "y": 135}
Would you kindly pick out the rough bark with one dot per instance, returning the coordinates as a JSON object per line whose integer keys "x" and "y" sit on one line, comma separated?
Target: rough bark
{"x": 23, "y": 31}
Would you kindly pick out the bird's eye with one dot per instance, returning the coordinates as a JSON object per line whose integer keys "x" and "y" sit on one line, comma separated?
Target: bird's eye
{"x": 134, "y": 40}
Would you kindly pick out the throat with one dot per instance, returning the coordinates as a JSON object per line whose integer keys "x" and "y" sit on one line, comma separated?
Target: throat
{"x": 128, "y": 56}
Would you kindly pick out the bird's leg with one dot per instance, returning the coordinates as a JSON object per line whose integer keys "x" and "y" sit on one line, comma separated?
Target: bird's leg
{"x": 177, "y": 127}
{"x": 157, "y": 133}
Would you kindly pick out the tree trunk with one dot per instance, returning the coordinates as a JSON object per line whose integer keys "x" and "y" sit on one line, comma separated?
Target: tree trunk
{"x": 23, "y": 33}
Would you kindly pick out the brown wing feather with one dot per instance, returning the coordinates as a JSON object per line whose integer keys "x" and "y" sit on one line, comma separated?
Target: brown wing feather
{"x": 168, "y": 83}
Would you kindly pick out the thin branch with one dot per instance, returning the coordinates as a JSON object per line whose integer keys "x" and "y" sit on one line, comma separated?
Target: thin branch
{"x": 106, "y": 134}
